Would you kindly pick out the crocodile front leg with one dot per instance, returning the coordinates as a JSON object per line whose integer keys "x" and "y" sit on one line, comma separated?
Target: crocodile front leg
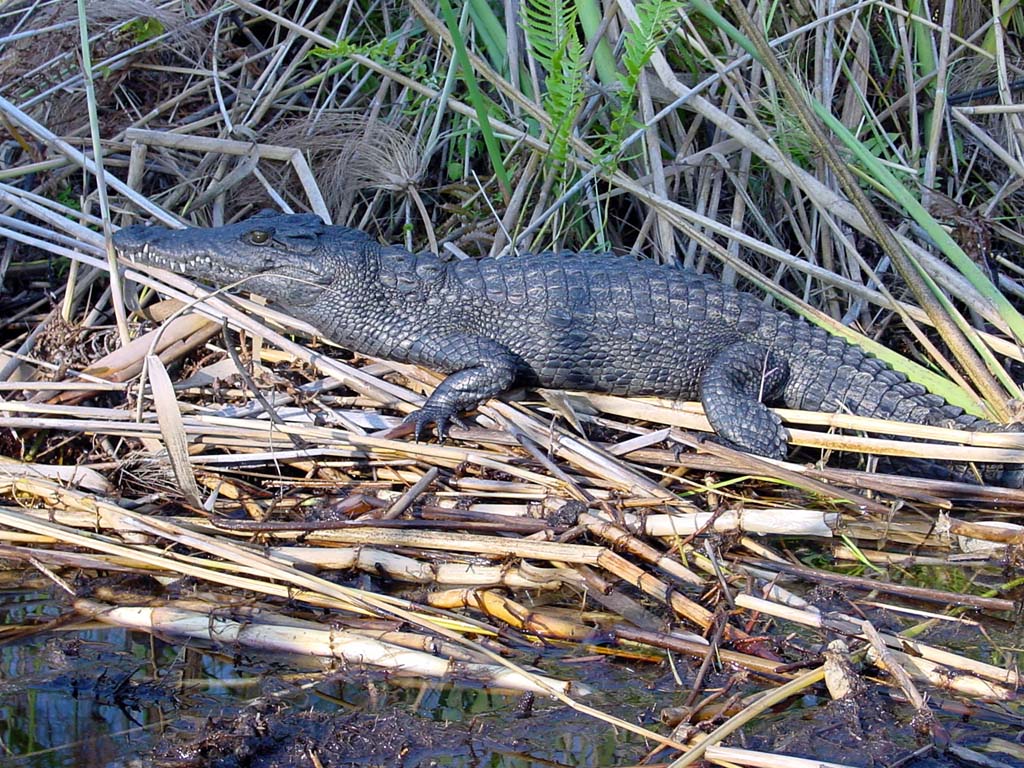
{"x": 478, "y": 368}
{"x": 732, "y": 388}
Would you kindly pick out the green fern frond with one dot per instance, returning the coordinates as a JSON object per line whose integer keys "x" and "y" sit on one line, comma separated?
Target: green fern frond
{"x": 549, "y": 26}
{"x": 641, "y": 41}
{"x": 553, "y": 38}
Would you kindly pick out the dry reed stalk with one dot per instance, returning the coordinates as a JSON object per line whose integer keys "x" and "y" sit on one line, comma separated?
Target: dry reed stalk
{"x": 449, "y": 542}
{"x": 764, "y": 702}
{"x": 847, "y": 554}
{"x": 78, "y": 158}
{"x": 381, "y": 629}
{"x": 773, "y": 521}
{"x": 508, "y": 611}
{"x": 334, "y": 593}
{"x": 349, "y": 647}
{"x": 583, "y": 455}
{"x": 490, "y": 546}
{"x": 415, "y": 491}
{"x": 760, "y": 466}
{"x": 662, "y": 592}
{"x": 56, "y": 559}
{"x": 939, "y": 676}
{"x": 698, "y": 648}
{"x": 729, "y": 756}
{"x": 887, "y": 660}
{"x": 623, "y": 540}
{"x": 171, "y": 342}
{"x": 103, "y": 517}
{"x": 67, "y": 386}
{"x": 242, "y": 148}
{"x": 833, "y": 483}
{"x": 933, "y": 659}
{"x": 995, "y": 531}
{"x": 360, "y": 602}
{"x": 417, "y": 642}
{"x": 690, "y": 416}
{"x": 396, "y": 566}
{"x": 919, "y": 593}
{"x": 407, "y": 569}
{"x": 147, "y": 558}
{"x": 505, "y": 488}
{"x": 915, "y": 533}
{"x": 172, "y": 429}
{"x": 78, "y": 476}
{"x": 232, "y": 556}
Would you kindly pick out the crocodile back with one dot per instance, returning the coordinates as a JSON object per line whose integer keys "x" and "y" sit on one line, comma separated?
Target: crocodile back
{"x": 604, "y": 322}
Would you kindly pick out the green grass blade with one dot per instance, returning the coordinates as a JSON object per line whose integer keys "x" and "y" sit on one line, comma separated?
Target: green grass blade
{"x": 476, "y": 98}
{"x": 491, "y": 35}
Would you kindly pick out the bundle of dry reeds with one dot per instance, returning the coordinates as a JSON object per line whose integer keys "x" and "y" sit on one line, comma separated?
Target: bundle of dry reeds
{"x": 153, "y": 426}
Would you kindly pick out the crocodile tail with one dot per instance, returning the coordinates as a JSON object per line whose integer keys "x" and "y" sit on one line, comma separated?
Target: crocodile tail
{"x": 841, "y": 378}
{"x": 1009, "y": 475}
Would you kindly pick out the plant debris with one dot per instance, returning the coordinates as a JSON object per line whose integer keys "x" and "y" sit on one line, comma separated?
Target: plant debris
{"x": 197, "y": 465}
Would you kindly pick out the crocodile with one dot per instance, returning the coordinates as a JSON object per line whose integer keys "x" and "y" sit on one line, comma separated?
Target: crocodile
{"x": 591, "y": 322}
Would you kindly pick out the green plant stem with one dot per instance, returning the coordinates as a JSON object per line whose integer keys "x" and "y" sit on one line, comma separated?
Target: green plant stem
{"x": 477, "y": 99}
{"x": 590, "y": 16}
{"x": 492, "y": 34}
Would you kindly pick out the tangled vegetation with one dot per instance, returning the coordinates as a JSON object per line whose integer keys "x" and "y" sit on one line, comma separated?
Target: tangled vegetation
{"x": 859, "y": 164}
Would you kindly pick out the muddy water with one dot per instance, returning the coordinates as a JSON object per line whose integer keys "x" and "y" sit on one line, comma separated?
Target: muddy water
{"x": 98, "y": 697}
{"x": 105, "y": 697}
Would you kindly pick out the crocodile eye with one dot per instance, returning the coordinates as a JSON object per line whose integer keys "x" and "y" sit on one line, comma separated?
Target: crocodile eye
{"x": 258, "y": 237}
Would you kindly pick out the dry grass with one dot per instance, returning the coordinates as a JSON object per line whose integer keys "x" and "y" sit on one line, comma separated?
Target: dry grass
{"x": 207, "y": 121}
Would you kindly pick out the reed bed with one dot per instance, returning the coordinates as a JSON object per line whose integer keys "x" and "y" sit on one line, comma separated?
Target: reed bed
{"x": 152, "y": 426}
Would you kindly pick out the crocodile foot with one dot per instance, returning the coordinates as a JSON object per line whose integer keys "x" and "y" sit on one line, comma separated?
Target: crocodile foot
{"x": 439, "y": 416}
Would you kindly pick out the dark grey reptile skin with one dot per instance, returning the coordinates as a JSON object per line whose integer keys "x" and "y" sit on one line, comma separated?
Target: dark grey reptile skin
{"x": 599, "y": 323}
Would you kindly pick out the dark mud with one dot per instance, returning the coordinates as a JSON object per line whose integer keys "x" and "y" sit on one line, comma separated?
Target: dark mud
{"x": 77, "y": 695}
{"x": 106, "y": 697}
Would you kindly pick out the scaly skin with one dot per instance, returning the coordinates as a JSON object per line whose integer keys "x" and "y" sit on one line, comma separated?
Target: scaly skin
{"x": 589, "y": 322}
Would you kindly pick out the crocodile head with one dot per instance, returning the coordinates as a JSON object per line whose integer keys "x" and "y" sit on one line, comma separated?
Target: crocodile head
{"x": 280, "y": 256}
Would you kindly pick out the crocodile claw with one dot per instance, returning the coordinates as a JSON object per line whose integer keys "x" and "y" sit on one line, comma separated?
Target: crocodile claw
{"x": 432, "y": 414}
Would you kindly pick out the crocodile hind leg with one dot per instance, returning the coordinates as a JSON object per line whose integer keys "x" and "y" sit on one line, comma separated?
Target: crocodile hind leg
{"x": 732, "y": 389}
